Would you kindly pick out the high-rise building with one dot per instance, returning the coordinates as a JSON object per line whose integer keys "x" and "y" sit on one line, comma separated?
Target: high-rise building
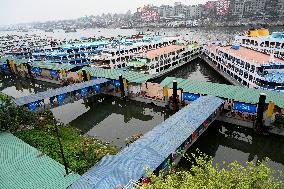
{"x": 273, "y": 8}
{"x": 210, "y": 9}
{"x": 223, "y": 7}
{"x": 179, "y": 9}
{"x": 166, "y": 11}
{"x": 194, "y": 11}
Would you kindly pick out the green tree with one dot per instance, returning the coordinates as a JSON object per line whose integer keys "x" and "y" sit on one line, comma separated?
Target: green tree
{"x": 203, "y": 174}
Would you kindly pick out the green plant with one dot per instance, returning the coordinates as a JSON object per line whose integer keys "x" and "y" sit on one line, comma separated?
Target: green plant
{"x": 81, "y": 152}
{"x": 279, "y": 122}
{"x": 204, "y": 175}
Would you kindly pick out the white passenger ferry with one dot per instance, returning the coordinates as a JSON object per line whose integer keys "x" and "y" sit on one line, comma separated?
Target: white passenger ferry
{"x": 261, "y": 40}
{"x": 162, "y": 60}
{"x": 116, "y": 55}
{"x": 249, "y": 62}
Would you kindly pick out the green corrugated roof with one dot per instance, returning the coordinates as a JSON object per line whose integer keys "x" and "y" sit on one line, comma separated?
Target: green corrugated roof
{"x": 52, "y": 66}
{"x": 16, "y": 60}
{"x": 134, "y": 77}
{"x": 4, "y": 58}
{"x": 137, "y": 63}
{"x": 23, "y": 166}
{"x": 241, "y": 94}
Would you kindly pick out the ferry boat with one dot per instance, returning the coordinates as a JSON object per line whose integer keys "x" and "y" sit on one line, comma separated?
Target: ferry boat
{"x": 119, "y": 52}
{"x": 69, "y": 30}
{"x": 247, "y": 66}
{"x": 261, "y": 40}
{"x": 76, "y": 53}
{"x": 161, "y": 60}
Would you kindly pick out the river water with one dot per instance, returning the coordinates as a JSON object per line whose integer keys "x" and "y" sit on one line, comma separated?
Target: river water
{"x": 113, "y": 120}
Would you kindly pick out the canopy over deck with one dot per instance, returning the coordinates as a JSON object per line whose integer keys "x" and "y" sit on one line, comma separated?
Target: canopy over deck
{"x": 54, "y": 92}
{"x": 237, "y": 93}
{"x": 134, "y": 77}
{"x": 151, "y": 149}
{"x": 53, "y": 66}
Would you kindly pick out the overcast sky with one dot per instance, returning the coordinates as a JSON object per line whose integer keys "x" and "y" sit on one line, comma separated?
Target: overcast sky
{"x": 19, "y": 11}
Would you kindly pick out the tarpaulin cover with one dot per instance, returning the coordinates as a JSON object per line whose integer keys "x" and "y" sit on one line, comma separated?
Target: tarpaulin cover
{"x": 190, "y": 96}
{"x": 150, "y": 150}
{"x": 244, "y": 107}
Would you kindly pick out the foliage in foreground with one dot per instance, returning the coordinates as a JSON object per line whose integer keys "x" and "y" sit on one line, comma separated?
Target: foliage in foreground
{"x": 13, "y": 118}
{"x": 279, "y": 122}
{"x": 38, "y": 130}
{"x": 204, "y": 175}
{"x": 81, "y": 152}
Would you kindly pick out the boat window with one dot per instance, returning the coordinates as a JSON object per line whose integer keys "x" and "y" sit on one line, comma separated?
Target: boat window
{"x": 250, "y": 77}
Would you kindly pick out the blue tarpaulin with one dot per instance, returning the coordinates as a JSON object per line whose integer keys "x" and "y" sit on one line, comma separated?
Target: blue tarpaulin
{"x": 60, "y": 98}
{"x": 97, "y": 88}
{"x": 33, "y": 105}
{"x": 36, "y": 70}
{"x": 151, "y": 150}
{"x": 117, "y": 83}
{"x": 3, "y": 66}
{"x": 236, "y": 46}
{"x": 83, "y": 91}
{"x": 244, "y": 107}
{"x": 190, "y": 96}
{"x": 53, "y": 73}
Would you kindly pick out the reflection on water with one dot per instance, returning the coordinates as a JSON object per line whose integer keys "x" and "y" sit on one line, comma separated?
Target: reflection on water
{"x": 196, "y": 70}
{"x": 226, "y": 142}
{"x": 18, "y": 87}
{"x": 113, "y": 120}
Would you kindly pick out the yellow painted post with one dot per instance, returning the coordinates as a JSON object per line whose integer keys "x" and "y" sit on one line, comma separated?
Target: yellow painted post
{"x": 88, "y": 76}
{"x": 125, "y": 85}
{"x": 80, "y": 76}
{"x": 166, "y": 92}
{"x": 270, "y": 109}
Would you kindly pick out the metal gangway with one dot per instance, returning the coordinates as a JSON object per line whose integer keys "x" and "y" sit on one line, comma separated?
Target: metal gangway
{"x": 58, "y": 95}
{"x": 155, "y": 149}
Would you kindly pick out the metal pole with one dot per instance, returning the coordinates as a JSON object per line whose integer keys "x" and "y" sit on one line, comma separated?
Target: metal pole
{"x": 61, "y": 150}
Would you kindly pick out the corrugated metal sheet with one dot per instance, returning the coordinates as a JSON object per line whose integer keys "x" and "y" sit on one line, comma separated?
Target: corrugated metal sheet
{"x": 54, "y": 92}
{"x": 150, "y": 150}
{"x": 134, "y": 77}
{"x": 23, "y": 166}
{"x": 241, "y": 94}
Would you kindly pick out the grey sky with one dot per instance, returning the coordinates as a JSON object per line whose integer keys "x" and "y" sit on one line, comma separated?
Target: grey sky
{"x": 18, "y": 11}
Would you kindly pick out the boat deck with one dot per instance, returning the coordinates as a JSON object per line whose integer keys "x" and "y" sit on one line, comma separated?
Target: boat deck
{"x": 245, "y": 53}
{"x": 164, "y": 50}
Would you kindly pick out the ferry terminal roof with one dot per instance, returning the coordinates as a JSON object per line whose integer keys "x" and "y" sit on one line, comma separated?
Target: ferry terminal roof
{"x": 53, "y": 66}
{"x": 134, "y": 77}
{"x": 238, "y": 93}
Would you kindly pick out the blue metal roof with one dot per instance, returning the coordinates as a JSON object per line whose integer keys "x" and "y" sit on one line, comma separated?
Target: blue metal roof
{"x": 151, "y": 149}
